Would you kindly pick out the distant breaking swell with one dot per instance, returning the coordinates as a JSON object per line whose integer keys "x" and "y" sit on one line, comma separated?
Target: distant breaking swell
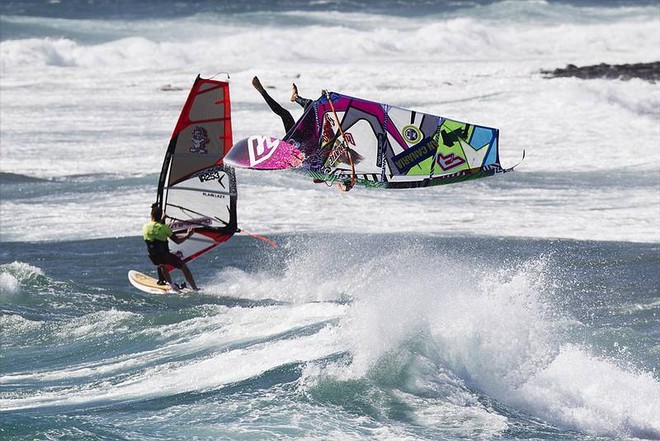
{"x": 13, "y": 178}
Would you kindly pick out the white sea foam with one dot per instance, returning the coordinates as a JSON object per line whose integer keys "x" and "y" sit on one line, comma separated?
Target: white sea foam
{"x": 15, "y": 325}
{"x": 14, "y": 273}
{"x": 221, "y": 337}
{"x": 173, "y": 378}
{"x": 102, "y": 323}
{"x": 593, "y": 395}
{"x": 8, "y": 284}
{"x": 91, "y": 107}
{"x": 481, "y": 330}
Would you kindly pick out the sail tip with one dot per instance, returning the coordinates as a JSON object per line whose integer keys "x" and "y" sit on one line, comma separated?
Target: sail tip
{"x": 517, "y": 164}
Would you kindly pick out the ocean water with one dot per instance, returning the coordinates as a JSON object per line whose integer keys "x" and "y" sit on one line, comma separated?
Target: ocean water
{"x": 522, "y": 306}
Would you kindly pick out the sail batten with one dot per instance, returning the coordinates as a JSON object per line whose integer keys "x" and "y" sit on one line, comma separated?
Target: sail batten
{"x": 196, "y": 190}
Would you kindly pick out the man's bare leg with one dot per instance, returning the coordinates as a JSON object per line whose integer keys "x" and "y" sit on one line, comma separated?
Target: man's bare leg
{"x": 189, "y": 277}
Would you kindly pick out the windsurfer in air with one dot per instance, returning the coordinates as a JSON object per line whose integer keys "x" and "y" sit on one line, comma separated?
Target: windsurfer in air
{"x": 287, "y": 119}
{"x": 155, "y": 234}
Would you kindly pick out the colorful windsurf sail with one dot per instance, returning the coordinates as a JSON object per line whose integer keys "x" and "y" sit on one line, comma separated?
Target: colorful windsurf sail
{"x": 352, "y": 140}
{"x": 196, "y": 189}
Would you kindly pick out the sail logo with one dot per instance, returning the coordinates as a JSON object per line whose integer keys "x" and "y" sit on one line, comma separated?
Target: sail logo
{"x": 348, "y": 137}
{"x": 413, "y": 156}
{"x": 212, "y": 174}
{"x": 450, "y": 161}
{"x": 200, "y": 138}
{"x": 261, "y": 148}
{"x": 328, "y": 131}
{"x": 411, "y": 133}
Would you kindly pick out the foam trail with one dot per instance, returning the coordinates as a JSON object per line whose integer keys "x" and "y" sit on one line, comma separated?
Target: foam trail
{"x": 593, "y": 395}
{"x": 173, "y": 378}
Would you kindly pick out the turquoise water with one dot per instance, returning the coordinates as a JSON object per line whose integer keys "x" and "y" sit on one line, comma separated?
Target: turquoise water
{"x": 360, "y": 336}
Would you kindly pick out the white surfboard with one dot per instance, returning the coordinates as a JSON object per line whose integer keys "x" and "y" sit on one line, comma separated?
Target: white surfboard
{"x": 148, "y": 284}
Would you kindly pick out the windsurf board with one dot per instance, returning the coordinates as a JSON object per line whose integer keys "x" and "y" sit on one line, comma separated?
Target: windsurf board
{"x": 264, "y": 153}
{"x": 148, "y": 284}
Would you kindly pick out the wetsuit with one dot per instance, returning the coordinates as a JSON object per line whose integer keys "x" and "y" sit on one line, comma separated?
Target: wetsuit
{"x": 287, "y": 119}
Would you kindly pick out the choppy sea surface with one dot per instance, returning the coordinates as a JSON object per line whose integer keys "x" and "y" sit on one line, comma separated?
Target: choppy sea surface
{"x": 522, "y": 306}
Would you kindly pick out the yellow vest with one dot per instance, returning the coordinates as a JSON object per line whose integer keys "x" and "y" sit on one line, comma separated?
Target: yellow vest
{"x": 156, "y": 231}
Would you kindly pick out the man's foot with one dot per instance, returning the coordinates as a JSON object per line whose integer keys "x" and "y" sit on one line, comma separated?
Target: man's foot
{"x": 294, "y": 92}
{"x": 257, "y": 84}
{"x": 161, "y": 282}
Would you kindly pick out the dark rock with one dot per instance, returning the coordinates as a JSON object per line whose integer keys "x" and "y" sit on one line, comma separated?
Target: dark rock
{"x": 645, "y": 71}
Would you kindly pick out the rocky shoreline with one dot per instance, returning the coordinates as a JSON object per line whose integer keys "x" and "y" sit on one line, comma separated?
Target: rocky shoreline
{"x": 645, "y": 71}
